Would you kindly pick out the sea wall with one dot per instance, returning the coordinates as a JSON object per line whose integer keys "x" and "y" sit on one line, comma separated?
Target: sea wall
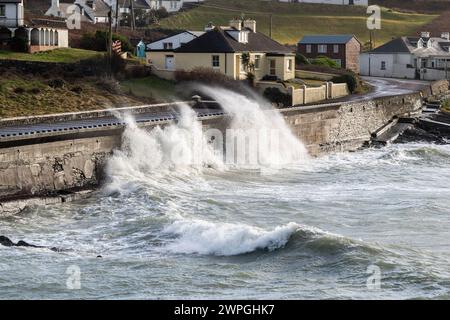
{"x": 57, "y": 163}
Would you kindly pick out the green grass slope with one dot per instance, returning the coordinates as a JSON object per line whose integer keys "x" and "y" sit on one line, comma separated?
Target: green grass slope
{"x": 291, "y": 21}
{"x": 63, "y": 55}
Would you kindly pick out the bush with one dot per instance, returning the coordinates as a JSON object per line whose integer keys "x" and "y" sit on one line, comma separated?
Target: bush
{"x": 77, "y": 90}
{"x": 110, "y": 85}
{"x": 350, "y": 79}
{"x": 274, "y": 95}
{"x": 301, "y": 59}
{"x": 162, "y": 13}
{"x": 56, "y": 83}
{"x": 325, "y": 61}
{"x": 19, "y": 90}
{"x": 206, "y": 76}
{"x": 137, "y": 71}
{"x": 98, "y": 41}
{"x": 35, "y": 91}
{"x": 19, "y": 44}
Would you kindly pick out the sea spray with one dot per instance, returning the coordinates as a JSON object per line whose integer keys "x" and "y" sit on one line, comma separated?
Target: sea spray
{"x": 257, "y": 134}
{"x": 145, "y": 156}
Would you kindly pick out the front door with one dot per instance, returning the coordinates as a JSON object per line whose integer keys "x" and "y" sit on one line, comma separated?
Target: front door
{"x": 170, "y": 62}
{"x": 272, "y": 67}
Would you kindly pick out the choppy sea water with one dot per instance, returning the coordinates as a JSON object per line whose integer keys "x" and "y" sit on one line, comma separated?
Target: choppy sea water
{"x": 310, "y": 230}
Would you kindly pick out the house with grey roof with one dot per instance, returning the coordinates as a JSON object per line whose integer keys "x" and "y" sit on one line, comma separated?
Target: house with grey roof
{"x": 94, "y": 11}
{"x": 222, "y": 49}
{"x": 344, "y": 49}
{"x": 424, "y": 57}
{"x": 173, "y": 41}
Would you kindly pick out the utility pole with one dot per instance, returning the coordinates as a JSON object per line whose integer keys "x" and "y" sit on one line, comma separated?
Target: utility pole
{"x": 117, "y": 16}
{"x": 110, "y": 53}
{"x": 271, "y": 25}
{"x": 133, "y": 24}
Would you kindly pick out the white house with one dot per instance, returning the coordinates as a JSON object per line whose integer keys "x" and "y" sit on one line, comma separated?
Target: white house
{"x": 364, "y": 3}
{"x": 40, "y": 35}
{"x": 173, "y": 42}
{"x": 11, "y": 13}
{"x": 424, "y": 57}
{"x": 95, "y": 11}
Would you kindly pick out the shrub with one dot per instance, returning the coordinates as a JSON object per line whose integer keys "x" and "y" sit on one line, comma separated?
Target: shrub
{"x": 56, "y": 83}
{"x": 19, "y": 90}
{"x": 251, "y": 79}
{"x": 206, "y": 76}
{"x": 110, "y": 85}
{"x": 35, "y": 91}
{"x": 274, "y": 95}
{"x": 19, "y": 44}
{"x": 301, "y": 59}
{"x": 325, "y": 61}
{"x": 98, "y": 41}
{"x": 350, "y": 79}
{"x": 137, "y": 71}
{"x": 77, "y": 89}
{"x": 162, "y": 13}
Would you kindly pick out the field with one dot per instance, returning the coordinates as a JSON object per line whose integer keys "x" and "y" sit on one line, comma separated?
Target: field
{"x": 291, "y": 21}
{"x": 149, "y": 87}
{"x": 63, "y": 55}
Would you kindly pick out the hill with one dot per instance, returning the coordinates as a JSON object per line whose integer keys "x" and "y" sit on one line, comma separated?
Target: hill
{"x": 423, "y": 6}
{"x": 291, "y": 21}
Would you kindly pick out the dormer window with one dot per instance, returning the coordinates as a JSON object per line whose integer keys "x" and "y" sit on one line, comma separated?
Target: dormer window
{"x": 239, "y": 35}
{"x": 243, "y": 37}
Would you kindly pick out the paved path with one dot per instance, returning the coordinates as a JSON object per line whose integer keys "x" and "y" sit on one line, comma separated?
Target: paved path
{"x": 382, "y": 87}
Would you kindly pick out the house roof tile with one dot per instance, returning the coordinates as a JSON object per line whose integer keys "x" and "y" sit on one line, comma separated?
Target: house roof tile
{"x": 327, "y": 39}
{"x": 221, "y": 41}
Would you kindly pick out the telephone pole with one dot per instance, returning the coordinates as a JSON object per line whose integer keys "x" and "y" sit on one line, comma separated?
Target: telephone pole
{"x": 271, "y": 25}
{"x": 110, "y": 53}
{"x": 133, "y": 24}
{"x": 117, "y": 16}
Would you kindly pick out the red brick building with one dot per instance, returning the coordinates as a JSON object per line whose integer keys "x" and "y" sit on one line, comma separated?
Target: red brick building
{"x": 344, "y": 49}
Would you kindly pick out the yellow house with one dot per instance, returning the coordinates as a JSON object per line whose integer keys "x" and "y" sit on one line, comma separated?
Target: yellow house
{"x": 222, "y": 49}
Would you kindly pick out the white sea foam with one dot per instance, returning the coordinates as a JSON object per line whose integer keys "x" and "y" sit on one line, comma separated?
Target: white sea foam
{"x": 225, "y": 239}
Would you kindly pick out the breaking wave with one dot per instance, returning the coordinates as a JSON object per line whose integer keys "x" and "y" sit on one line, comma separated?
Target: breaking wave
{"x": 229, "y": 239}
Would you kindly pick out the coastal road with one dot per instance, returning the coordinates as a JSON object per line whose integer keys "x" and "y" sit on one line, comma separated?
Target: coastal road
{"x": 382, "y": 87}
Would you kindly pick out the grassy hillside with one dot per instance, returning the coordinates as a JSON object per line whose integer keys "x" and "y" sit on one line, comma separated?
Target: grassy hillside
{"x": 291, "y": 21}
{"x": 63, "y": 55}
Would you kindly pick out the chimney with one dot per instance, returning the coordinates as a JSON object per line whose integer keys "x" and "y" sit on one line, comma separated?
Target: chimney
{"x": 445, "y": 35}
{"x": 209, "y": 27}
{"x": 425, "y": 34}
{"x": 237, "y": 24}
{"x": 250, "y": 24}
{"x": 55, "y": 3}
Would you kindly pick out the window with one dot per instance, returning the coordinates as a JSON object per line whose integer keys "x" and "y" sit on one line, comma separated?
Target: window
{"x": 168, "y": 45}
{"x": 383, "y": 65}
{"x": 289, "y": 65}
{"x": 322, "y": 48}
{"x": 308, "y": 48}
{"x": 336, "y": 48}
{"x": 2, "y": 10}
{"x": 272, "y": 67}
{"x": 257, "y": 62}
{"x": 216, "y": 61}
